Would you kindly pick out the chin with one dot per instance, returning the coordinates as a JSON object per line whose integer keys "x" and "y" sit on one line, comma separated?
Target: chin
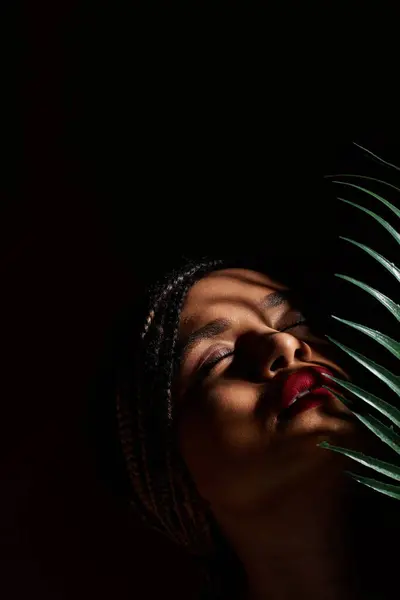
{"x": 320, "y": 420}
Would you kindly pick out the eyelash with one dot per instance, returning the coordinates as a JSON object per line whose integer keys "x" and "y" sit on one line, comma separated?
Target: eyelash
{"x": 294, "y": 325}
{"x": 224, "y": 353}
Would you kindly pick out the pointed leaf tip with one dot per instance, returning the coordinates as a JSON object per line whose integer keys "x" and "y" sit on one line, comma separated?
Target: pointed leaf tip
{"x": 389, "y": 205}
{"x": 378, "y": 158}
{"x": 377, "y": 218}
{"x": 387, "y": 489}
{"x": 391, "y": 380}
{"x": 391, "y": 306}
{"x": 384, "y": 340}
{"x": 385, "y": 468}
{"x": 391, "y": 267}
{"x": 391, "y": 412}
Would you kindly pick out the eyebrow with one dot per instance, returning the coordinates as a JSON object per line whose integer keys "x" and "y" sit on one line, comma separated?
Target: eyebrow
{"x": 211, "y": 330}
{"x": 219, "y": 326}
{"x": 275, "y": 299}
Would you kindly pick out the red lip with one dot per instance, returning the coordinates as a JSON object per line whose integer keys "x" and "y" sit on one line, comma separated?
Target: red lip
{"x": 307, "y": 378}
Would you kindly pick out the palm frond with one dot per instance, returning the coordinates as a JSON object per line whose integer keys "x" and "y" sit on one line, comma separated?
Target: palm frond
{"x": 382, "y": 431}
{"x": 378, "y": 158}
{"x": 370, "y": 193}
{"x": 392, "y": 307}
{"x": 386, "y": 434}
{"x": 391, "y": 267}
{"x": 365, "y": 177}
{"x": 391, "y": 380}
{"x": 385, "y": 488}
{"x": 377, "y": 218}
{"x": 386, "y": 341}
{"x": 392, "y": 471}
{"x": 391, "y": 412}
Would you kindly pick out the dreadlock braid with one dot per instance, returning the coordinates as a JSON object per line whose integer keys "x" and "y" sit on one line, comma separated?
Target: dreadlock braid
{"x": 176, "y": 279}
{"x": 145, "y": 416}
{"x": 163, "y": 492}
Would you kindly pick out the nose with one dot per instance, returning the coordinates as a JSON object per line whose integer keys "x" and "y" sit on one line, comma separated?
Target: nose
{"x": 282, "y": 351}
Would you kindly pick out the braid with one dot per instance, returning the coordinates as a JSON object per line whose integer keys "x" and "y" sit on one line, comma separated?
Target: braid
{"x": 176, "y": 280}
{"x": 164, "y": 494}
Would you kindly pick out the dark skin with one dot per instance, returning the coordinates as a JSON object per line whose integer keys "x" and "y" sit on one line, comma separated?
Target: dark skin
{"x": 278, "y": 498}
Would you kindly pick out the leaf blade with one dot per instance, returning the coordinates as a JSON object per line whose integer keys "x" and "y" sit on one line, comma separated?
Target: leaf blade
{"x": 392, "y": 471}
{"x": 391, "y": 306}
{"x": 389, "y": 205}
{"x": 391, "y": 380}
{"x": 384, "y": 433}
{"x": 391, "y": 412}
{"x": 377, "y": 218}
{"x": 363, "y": 177}
{"x": 385, "y": 488}
{"x": 381, "y": 160}
{"x": 384, "y": 340}
{"x": 391, "y": 267}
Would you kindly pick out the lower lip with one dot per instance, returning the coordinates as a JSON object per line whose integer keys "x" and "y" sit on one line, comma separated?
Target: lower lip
{"x": 311, "y": 400}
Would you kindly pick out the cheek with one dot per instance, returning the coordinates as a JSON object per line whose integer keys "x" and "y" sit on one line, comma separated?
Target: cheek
{"x": 220, "y": 437}
{"x": 331, "y": 356}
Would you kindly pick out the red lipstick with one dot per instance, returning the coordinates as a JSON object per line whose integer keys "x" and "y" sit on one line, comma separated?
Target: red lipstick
{"x": 303, "y": 390}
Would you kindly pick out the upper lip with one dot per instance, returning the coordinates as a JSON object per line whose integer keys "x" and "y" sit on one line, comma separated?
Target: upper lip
{"x": 301, "y": 380}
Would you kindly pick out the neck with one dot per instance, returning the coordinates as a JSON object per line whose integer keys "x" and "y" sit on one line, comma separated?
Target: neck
{"x": 294, "y": 546}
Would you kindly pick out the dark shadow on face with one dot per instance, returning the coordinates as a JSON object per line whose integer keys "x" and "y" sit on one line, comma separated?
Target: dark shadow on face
{"x": 227, "y": 393}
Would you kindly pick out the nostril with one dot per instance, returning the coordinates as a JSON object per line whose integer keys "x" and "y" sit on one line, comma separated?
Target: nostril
{"x": 299, "y": 353}
{"x": 278, "y": 363}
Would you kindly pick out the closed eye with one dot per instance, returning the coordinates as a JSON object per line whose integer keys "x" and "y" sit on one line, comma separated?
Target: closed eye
{"x": 293, "y": 325}
{"x": 215, "y": 358}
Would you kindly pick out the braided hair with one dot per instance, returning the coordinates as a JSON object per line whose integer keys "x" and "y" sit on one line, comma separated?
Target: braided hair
{"x": 161, "y": 490}
{"x": 163, "y": 493}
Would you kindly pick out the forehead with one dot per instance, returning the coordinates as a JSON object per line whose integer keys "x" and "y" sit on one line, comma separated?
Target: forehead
{"x": 227, "y": 285}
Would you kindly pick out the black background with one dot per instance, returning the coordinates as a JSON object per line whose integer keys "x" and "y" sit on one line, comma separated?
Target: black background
{"x": 147, "y": 133}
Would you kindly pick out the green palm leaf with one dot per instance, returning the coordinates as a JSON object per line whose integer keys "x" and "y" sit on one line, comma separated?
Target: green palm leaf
{"x": 391, "y": 412}
{"x": 384, "y": 375}
{"x": 377, "y": 218}
{"x": 386, "y": 434}
{"x": 385, "y": 468}
{"x": 362, "y": 189}
{"x": 366, "y": 178}
{"x": 381, "y": 259}
{"x": 387, "y": 302}
{"x": 379, "y": 486}
{"x": 384, "y": 340}
{"x": 378, "y": 158}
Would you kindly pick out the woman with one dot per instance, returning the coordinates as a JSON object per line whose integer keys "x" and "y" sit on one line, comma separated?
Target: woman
{"x": 220, "y": 438}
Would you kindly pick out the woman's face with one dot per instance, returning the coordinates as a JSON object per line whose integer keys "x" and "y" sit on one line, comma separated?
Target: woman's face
{"x": 241, "y": 337}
